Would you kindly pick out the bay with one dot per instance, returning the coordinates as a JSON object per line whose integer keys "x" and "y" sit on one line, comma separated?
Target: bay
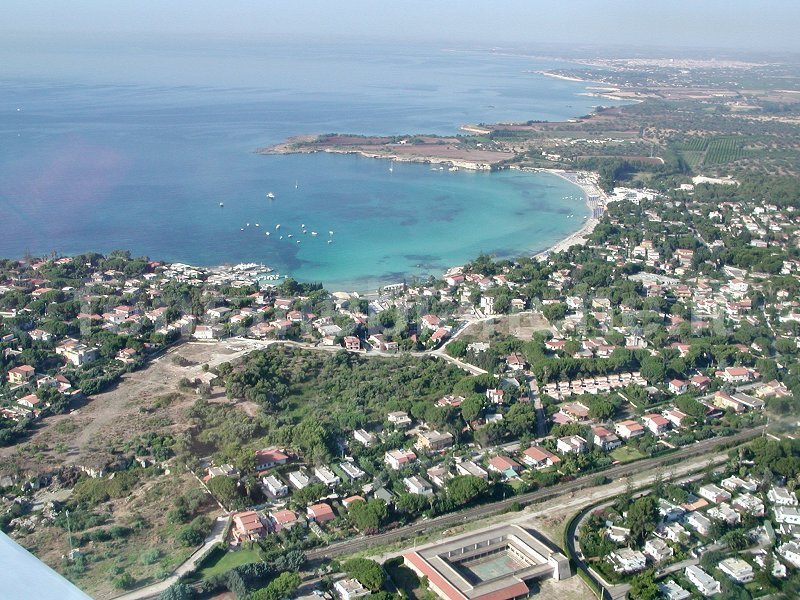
{"x": 136, "y": 149}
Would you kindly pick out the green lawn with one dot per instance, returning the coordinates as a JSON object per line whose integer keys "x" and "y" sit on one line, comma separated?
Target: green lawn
{"x": 626, "y": 454}
{"x": 220, "y": 561}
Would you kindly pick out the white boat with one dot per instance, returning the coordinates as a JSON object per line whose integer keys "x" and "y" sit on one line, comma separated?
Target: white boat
{"x": 290, "y": 236}
{"x": 266, "y": 233}
{"x": 278, "y": 226}
{"x": 242, "y": 229}
{"x": 257, "y": 225}
{"x": 330, "y": 241}
{"x": 298, "y": 241}
{"x": 271, "y": 196}
{"x": 221, "y": 204}
{"x": 280, "y": 238}
{"x": 295, "y": 184}
{"x": 330, "y": 232}
{"x": 314, "y": 233}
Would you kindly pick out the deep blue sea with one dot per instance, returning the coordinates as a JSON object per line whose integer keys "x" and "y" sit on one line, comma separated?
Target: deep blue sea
{"x": 134, "y": 146}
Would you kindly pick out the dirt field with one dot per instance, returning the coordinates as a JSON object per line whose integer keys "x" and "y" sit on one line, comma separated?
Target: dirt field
{"x": 520, "y": 325}
{"x": 144, "y": 401}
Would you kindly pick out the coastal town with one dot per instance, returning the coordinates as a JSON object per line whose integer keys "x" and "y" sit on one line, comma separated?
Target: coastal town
{"x": 669, "y": 321}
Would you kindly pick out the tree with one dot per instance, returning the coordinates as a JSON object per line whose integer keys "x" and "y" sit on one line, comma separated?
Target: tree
{"x": 472, "y": 407}
{"x": 653, "y": 369}
{"x": 643, "y": 517}
{"x": 462, "y": 489}
{"x": 555, "y": 312}
{"x": 644, "y": 587}
{"x": 283, "y": 586}
{"x": 368, "y": 573}
{"x": 456, "y": 348}
{"x": 520, "y": 419}
{"x": 735, "y": 539}
{"x": 224, "y": 489}
{"x": 310, "y": 493}
{"x": 368, "y": 516}
{"x": 411, "y": 503}
{"x": 177, "y": 591}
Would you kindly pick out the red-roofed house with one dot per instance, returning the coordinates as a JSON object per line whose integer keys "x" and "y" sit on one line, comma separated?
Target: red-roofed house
{"x": 629, "y": 429}
{"x": 516, "y": 362}
{"x": 701, "y": 382}
{"x": 321, "y": 513}
{"x": 269, "y": 457}
{"x": 503, "y": 464}
{"x": 539, "y": 458}
{"x": 736, "y": 374}
{"x": 431, "y": 322}
{"x": 31, "y": 401}
{"x": 352, "y": 343}
{"x": 675, "y": 416}
{"x": 21, "y": 374}
{"x": 656, "y": 423}
{"x": 247, "y": 526}
{"x": 605, "y": 439}
{"x": 283, "y": 519}
{"x": 495, "y": 396}
{"x": 678, "y": 386}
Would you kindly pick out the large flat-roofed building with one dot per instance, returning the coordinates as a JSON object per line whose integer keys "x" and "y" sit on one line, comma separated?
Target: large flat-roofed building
{"x": 490, "y": 565}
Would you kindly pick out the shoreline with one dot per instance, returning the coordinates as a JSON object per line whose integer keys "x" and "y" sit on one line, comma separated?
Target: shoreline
{"x": 590, "y": 190}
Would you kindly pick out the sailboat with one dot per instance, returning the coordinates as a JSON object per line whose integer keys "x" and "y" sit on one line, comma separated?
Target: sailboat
{"x": 295, "y": 184}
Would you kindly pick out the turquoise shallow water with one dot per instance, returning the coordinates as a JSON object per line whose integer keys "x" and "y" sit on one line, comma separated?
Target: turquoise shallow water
{"x": 97, "y": 157}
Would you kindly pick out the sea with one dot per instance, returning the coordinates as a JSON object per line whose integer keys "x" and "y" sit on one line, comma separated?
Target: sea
{"x": 150, "y": 147}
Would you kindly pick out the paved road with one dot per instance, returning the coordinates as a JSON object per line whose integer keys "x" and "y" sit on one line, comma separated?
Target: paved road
{"x": 613, "y": 473}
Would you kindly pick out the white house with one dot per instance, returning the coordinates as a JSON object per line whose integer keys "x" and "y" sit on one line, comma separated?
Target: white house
{"x": 418, "y": 485}
{"x": 657, "y": 550}
{"x": 326, "y": 476}
{"x": 781, "y": 496}
{"x": 351, "y": 471}
{"x": 705, "y": 583}
{"x": 626, "y": 560}
{"x": 737, "y": 569}
{"x": 573, "y": 444}
{"x": 299, "y": 479}
{"x": 672, "y": 591}
{"x": 713, "y": 493}
{"x": 364, "y": 437}
{"x": 399, "y": 419}
{"x": 348, "y": 589}
{"x": 699, "y": 522}
{"x": 275, "y": 486}
{"x": 787, "y": 514}
{"x": 791, "y": 552}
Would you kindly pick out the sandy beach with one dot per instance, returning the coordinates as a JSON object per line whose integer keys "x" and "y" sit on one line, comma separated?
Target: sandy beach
{"x": 587, "y": 181}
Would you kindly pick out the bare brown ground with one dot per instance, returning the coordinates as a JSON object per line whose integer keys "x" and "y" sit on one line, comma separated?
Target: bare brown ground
{"x": 144, "y": 401}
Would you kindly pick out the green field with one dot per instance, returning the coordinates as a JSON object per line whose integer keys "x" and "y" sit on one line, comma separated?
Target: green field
{"x": 626, "y": 454}
{"x": 219, "y": 561}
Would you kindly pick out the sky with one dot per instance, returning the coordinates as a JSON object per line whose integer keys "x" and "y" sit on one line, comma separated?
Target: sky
{"x": 733, "y": 24}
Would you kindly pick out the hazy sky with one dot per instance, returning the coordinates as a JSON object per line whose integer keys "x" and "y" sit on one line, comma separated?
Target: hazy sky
{"x": 747, "y": 24}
